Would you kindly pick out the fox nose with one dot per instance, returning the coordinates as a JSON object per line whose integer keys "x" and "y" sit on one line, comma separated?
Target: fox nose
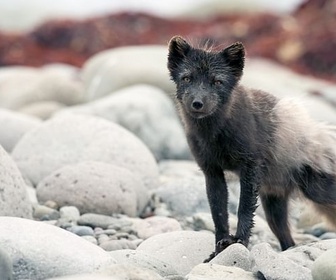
{"x": 197, "y": 105}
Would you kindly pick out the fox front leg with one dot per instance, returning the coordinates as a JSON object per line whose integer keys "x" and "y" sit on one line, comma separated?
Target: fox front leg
{"x": 249, "y": 190}
{"x": 218, "y": 200}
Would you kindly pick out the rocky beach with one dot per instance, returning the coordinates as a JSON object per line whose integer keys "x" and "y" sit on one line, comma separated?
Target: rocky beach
{"x": 98, "y": 183}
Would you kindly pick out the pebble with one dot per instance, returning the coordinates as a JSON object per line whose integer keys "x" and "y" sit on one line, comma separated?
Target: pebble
{"x": 151, "y": 226}
{"x": 81, "y": 230}
{"x": 42, "y": 212}
{"x": 151, "y": 116}
{"x": 112, "y": 245}
{"x": 69, "y": 213}
{"x": 328, "y": 235}
{"x": 97, "y": 220}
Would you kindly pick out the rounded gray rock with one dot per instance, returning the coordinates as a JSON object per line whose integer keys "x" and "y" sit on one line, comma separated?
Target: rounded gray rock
{"x": 112, "y": 245}
{"x": 235, "y": 255}
{"x": 26, "y": 242}
{"x": 143, "y": 259}
{"x": 116, "y": 68}
{"x": 42, "y": 110}
{"x": 151, "y": 116}
{"x": 14, "y": 200}
{"x": 273, "y": 265}
{"x": 21, "y": 86}
{"x": 93, "y": 276}
{"x": 306, "y": 254}
{"x": 184, "y": 197}
{"x": 181, "y": 249}
{"x": 95, "y": 187}
{"x": 15, "y": 126}
{"x": 70, "y": 139}
{"x": 324, "y": 267}
{"x": 130, "y": 272}
{"x": 6, "y": 266}
{"x": 69, "y": 213}
{"x": 208, "y": 271}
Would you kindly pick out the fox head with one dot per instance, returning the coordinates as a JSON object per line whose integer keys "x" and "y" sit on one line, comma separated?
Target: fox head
{"x": 204, "y": 79}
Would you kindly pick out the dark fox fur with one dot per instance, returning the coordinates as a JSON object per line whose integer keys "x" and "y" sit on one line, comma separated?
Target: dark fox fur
{"x": 271, "y": 144}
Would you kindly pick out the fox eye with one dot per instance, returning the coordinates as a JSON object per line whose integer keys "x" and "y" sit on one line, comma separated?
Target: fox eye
{"x": 186, "y": 79}
{"x": 218, "y": 82}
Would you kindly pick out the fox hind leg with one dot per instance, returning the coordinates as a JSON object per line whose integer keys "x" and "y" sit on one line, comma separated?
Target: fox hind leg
{"x": 276, "y": 211}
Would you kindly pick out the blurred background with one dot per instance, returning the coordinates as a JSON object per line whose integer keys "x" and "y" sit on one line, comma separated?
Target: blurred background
{"x": 299, "y": 34}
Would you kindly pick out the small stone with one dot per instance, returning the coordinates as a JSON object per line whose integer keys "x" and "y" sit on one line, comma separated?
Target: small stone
{"x": 81, "y": 230}
{"x": 132, "y": 237}
{"x": 113, "y": 245}
{"x": 42, "y": 212}
{"x": 69, "y": 213}
{"x": 148, "y": 227}
{"x": 328, "y": 235}
{"x": 120, "y": 224}
{"x": 137, "y": 242}
{"x": 51, "y": 204}
{"x": 98, "y": 230}
{"x": 316, "y": 230}
{"x": 96, "y": 220}
{"x": 110, "y": 231}
{"x": 121, "y": 235}
{"x": 103, "y": 238}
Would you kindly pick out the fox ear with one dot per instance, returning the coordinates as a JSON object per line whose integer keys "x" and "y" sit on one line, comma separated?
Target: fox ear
{"x": 235, "y": 58}
{"x": 178, "y": 49}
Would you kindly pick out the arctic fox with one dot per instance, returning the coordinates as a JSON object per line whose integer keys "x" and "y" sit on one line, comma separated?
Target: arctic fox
{"x": 271, "y": 144}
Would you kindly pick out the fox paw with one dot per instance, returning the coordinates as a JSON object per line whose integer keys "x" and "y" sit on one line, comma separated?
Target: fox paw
{"x": 223, "y": 244}
{"x": 226, "y": 242}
